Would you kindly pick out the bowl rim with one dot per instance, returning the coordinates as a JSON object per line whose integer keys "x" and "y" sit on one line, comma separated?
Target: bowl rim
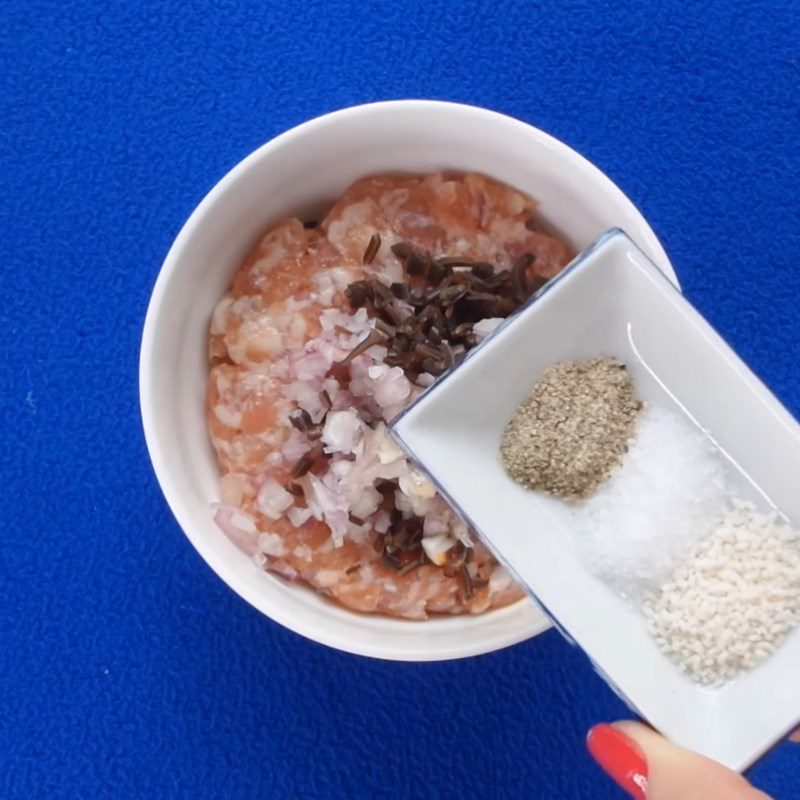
{"x": 538, "y": 623}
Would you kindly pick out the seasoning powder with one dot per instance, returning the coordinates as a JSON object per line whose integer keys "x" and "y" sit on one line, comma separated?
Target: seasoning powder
{"x": 573, "y": 429}
{"x": 646, "y": 518}
{"x": 734, "y": 601}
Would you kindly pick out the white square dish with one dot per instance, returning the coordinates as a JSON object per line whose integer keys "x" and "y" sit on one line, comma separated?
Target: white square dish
{"x": 612, "y": 300}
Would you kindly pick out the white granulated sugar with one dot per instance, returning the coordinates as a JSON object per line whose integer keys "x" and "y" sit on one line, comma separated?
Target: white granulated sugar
{"x": 654, "y": 508}
{"x": 734, "y": 601}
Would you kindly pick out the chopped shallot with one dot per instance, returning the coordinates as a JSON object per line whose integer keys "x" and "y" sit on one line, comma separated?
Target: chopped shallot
{"x": 388, "y": 451}
{"x": 436, "y": 548}
{"x": 437, "y": 521}
{"x": 486, "y": 326}
{"x": 392, "y": 387}
{"x": 311, "y": 365}
{"x": 271, "y": 544}
{"x": 328, "y": 505}
{"x": 499, "y": 580}
{"x": 283, "y": 569}
{"x": 296, "y": 445}
{"x": 365, "y": 501}
{"x": 342, "y": 431}
{"x": 415, "y": 484}
{"x": 238, "y": 526}
{"x": 297, "y": 516}
{"x": 273, "y": 499}
{"x": 381, "y": 523}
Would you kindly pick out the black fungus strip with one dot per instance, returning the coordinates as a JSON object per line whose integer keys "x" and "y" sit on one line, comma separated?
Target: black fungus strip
{"x": 381, "y": 293}
{"x": 466, "y": 582}
{"x": 374, "y": 337}
{"x": 411, "y": 565}
{"x": 385, "y": 327}
{"x": 519, "y": 277}
{"x": 400, "y": 291}
{"x": 390, "y": 559}
{"x": 372, "y": 249}
{"x": 301, "y": 419}
{"x": 403, "y": 250}
{"x": 314, "y": 432}
{"x": 302, "y": 466}
{"x": 358, "y": 293}
{"x": 435, "y": 272}
{"x": 460, "y": 261}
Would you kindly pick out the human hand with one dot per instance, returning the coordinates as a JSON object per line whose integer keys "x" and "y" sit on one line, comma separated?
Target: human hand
{"x": 649, "y": 767}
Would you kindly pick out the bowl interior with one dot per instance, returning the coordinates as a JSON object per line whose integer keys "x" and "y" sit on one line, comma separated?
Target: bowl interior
{"x": 299, "y": 173}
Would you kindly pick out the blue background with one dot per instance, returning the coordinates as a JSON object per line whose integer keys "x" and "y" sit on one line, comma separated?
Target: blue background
{"x": 127, "y": 669}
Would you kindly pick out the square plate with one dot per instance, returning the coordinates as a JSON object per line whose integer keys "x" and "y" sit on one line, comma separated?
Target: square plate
{"x": 613, "y": 301}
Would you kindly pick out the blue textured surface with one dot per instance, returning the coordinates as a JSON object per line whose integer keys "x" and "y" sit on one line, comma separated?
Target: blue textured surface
{"x": 126, "y": 668}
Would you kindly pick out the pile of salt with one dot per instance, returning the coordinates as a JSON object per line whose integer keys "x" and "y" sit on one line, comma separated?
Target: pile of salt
{"x": 654, "y": 509}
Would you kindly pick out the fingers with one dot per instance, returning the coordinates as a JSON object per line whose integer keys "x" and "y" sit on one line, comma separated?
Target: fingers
{"x": 649, "y": 767}
{"x": 795, "y": 737}
{"x": 622, "y": 759}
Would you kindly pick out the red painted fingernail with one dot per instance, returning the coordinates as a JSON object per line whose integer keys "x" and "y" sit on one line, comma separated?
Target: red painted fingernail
{"x": 621, "y": 759}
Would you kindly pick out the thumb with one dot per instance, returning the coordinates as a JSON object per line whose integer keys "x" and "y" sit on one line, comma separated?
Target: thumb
{"x": 649, "y": 767}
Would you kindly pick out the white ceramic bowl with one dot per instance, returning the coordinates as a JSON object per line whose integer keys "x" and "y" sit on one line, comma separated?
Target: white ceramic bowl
{"x": 300, "y": 172}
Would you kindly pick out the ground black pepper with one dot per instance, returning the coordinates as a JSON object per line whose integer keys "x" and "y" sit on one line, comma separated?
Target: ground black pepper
{"x": 573, "y": 429}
